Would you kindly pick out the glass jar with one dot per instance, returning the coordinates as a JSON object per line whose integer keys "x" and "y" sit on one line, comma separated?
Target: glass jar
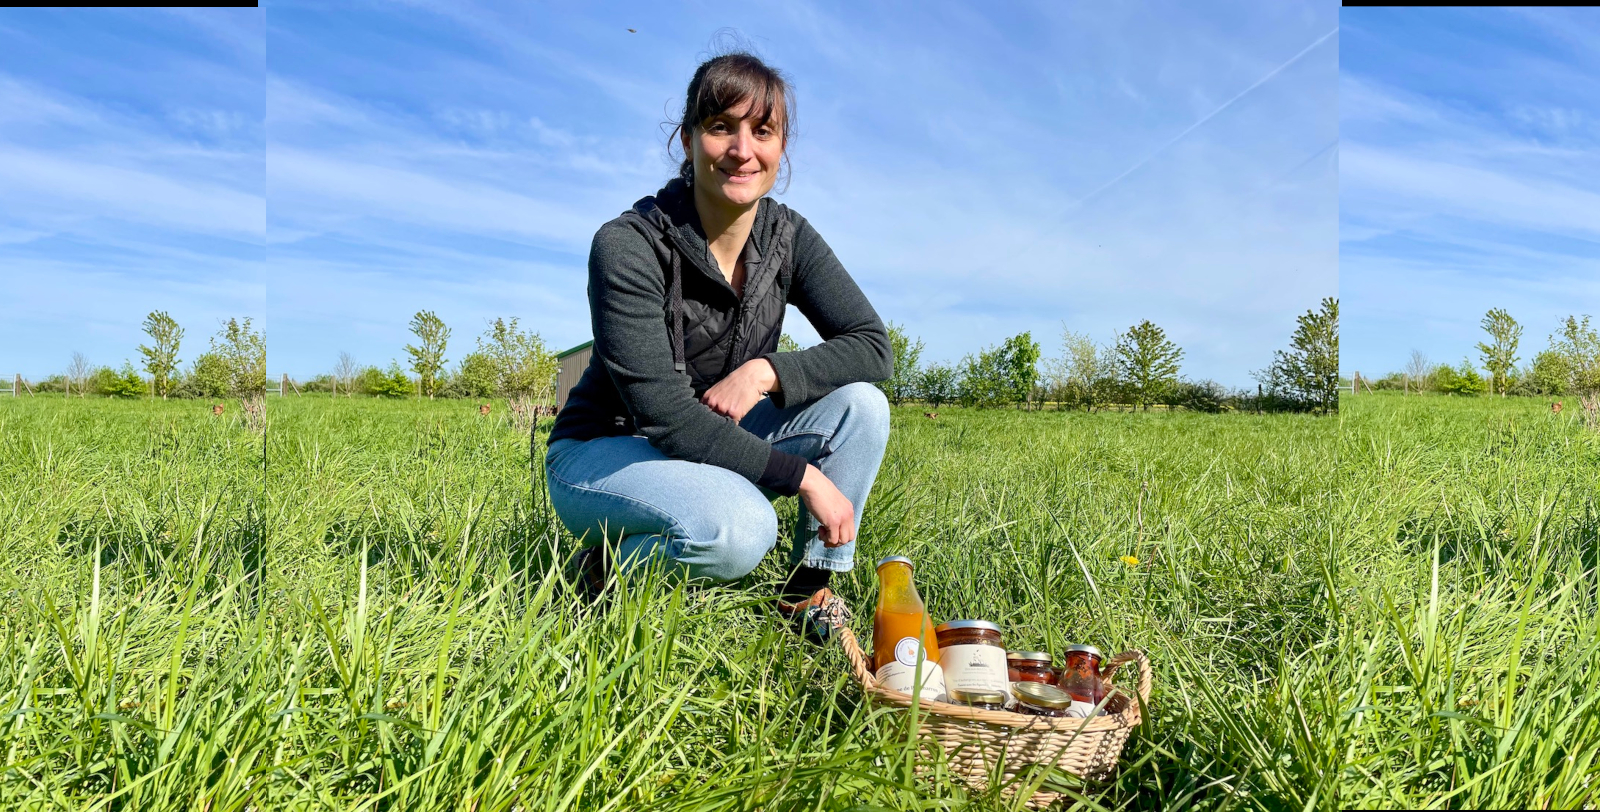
{"x": 979, "y": 700}
{"x": 1030, "y": 666}
{"x": 1041, "y": 699}
{"x": 1080, "y": 678}
{"x": 972, "y": 656}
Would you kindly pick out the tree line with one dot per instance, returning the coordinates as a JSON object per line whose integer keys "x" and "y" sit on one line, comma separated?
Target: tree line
{"x": 1141, "y": 367}
{"x": 1568, "y": 365}
{"x": 234, "y": 365}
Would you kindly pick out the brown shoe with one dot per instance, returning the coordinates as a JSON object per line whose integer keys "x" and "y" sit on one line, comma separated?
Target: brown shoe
{"x": 816, "y": 617}
{"x": 589, "y": 569}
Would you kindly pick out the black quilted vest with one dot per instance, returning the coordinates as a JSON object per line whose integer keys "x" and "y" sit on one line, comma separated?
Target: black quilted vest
{"x": 712, "y": 329}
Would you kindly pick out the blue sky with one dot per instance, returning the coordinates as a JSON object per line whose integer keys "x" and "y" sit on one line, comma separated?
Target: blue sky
{"x": 980, "y": 171}
{"x": 334, "y": 167}
{"x": 1469, "y": 178}
{"x": 132, "y": 179}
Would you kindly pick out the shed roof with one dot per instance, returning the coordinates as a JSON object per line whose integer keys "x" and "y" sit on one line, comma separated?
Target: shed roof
{"x": 585, "y": 345}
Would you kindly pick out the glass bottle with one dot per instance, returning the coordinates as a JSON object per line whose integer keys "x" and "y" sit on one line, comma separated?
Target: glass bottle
{"x": 1080, "y": 677}
{"x": 903, "y": 640}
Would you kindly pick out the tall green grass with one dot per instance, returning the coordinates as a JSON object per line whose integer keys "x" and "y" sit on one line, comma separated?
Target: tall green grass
{"x": 1395, "y": 607}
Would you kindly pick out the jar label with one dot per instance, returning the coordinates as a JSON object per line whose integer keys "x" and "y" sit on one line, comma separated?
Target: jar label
{"x": 907, "y": 650}
{"x": 897, "y": 676}
{"x": 1080, "y": 709}
{"x": 975, "y": 668}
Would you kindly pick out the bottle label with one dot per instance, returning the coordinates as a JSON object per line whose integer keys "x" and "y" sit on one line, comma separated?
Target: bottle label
{"x": 975, "y": 668}
{"x": 898, "y": 676}
{"x": 907, "y": 651}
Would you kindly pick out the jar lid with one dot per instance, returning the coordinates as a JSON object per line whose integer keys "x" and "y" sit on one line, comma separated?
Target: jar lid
{"x": 893, "y": 559}
{"x": 1028, "y": 655}
{"x": 977, "y": 697}
{"x": 1041, "y": 695}
{"x": 1081, "y": 647}
{"x": 966, "y": 624}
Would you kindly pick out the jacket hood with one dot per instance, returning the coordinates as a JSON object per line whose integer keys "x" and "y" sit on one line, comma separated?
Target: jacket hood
{"x": 671, "y": 213}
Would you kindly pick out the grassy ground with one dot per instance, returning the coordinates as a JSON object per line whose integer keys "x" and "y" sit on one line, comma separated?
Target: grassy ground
{"x": 1396, "y": 607}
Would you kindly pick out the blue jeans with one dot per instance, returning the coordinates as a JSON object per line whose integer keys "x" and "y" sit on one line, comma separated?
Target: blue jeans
{"x": 709, "y": 522}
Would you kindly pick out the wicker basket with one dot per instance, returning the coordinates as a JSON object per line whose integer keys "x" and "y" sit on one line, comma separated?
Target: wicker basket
{"x": 977, "y": 742}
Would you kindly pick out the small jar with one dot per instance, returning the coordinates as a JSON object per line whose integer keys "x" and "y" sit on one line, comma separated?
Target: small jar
{"x": 972, "y": 656}
{"x": 979, "y": 700}
{"x": 1040, "y": 699}
{"x": 1080, "y": 677}
{"x": 1030, "y": 666}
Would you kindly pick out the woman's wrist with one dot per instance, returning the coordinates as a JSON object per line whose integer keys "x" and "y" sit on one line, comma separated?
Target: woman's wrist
{"x": 769, "y": 375}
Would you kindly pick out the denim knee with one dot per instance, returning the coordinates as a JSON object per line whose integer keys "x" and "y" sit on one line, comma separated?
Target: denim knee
{"x": 866, "y": 410}
{"x": 742, "y": 530}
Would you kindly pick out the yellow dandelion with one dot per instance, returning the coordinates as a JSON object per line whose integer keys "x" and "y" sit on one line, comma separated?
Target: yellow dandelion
{"x": 1130, "y": 560}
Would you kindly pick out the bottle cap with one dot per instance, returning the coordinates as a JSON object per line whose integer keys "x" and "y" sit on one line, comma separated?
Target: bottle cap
{"x": 1041, "y": 695}
{"x": 966, "y": 624}
{"x": 1028, "y": 655}
{"x": 894, "y": 559}
{"x": 1084, "y": 648}
{"x": 961, "y": 697}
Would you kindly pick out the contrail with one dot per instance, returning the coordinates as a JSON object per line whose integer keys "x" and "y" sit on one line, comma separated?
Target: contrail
{"x": 1213, "y": 114}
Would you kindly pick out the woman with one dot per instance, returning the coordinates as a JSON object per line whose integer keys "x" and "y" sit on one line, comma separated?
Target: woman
{"x": 687, "y": 421}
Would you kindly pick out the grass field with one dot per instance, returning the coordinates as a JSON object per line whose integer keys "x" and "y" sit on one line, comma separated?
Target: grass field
{"x": 1394, "y": 607}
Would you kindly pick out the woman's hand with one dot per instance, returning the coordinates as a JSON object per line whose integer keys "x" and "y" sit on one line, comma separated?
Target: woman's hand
{"x": 744, "y": 387}
{"x": 829, "y": 507}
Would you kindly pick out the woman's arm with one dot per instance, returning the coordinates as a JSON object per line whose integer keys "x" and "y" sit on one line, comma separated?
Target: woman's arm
{"x": 627, "y": 306}
{"x": 855, "y": 345}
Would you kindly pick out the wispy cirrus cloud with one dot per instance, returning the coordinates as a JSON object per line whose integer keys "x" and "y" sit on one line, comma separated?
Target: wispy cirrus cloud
{"x": 980, "y": 174}
{"x": 1469, "y": 168}
{"x": 131, "y": 166}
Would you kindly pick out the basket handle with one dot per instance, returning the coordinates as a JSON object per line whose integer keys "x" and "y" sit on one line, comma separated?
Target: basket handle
{"x": 1137, "y": 657}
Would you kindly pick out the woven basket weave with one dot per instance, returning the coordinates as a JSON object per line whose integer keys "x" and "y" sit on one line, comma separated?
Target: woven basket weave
{"x": 981, "y": 744}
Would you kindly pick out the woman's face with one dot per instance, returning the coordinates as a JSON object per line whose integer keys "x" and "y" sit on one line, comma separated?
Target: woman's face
{"x": 735, "y": 158}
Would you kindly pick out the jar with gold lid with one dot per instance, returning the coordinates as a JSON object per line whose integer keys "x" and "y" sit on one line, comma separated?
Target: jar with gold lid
{"x": 1040, "y": 699}
{"x": 979, "y": 699}
{"x": 972, "y": 655}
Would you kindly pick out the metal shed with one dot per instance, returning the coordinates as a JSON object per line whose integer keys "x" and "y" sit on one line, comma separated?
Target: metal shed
{"x": 573, "y": 362}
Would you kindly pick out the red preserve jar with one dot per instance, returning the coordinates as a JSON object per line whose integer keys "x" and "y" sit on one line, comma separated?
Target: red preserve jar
{"x": 1080, "y": 675}
{"x": 1030, "y": 666}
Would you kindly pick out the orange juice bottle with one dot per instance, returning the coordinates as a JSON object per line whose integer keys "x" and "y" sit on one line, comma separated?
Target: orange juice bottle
{"x": 903, "y": 642}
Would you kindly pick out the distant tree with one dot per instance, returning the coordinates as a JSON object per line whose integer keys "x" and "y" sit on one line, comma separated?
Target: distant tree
{"x": 1579, "y": 345}
{"x": 1419, "y": 370}
{"x": 345, "y": 372}
{"x": 475, "y": 377}
{"x": 1021, "y": 359}
{"x": 938, "y": 385}
{"x": 427, "y": 356}
{"x": 983, "y": 380}
{"x": 1499, "y": 356}
{"x": 525, "y": 368}
{"x": 1550, "y": 374}
{"x": 786, "y": 343}
{"x": 78, "y": 373}
{"x": 121, "y": 384}
{"x": 902, "y": 385}
{"x": 243, "y": 350}
{"x": 1307, "y": 373}
{"x": 1148, "y": 363}
{"x": 1086, "y": 364}
{"x": 161, "y": 360}
{"x": 208, "y": 377}
{"x": 390, "y": 383}
{"x": 1464, "y": 380}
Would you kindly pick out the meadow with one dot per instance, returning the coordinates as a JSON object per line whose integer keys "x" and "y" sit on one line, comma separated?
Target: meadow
{"x": 1396, "y": 606}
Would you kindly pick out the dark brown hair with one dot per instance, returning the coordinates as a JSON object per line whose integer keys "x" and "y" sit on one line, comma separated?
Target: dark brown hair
{"x": 726, "y": 81}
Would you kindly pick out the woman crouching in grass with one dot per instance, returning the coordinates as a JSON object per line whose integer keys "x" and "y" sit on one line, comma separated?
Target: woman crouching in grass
{"x": 687, "y": 422}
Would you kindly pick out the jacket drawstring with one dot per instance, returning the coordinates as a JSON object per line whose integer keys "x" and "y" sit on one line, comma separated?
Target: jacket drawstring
{"x": 677, "y": 311}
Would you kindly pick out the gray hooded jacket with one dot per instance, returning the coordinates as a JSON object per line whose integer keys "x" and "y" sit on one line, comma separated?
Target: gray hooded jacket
{"x": 647, "y": 373}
